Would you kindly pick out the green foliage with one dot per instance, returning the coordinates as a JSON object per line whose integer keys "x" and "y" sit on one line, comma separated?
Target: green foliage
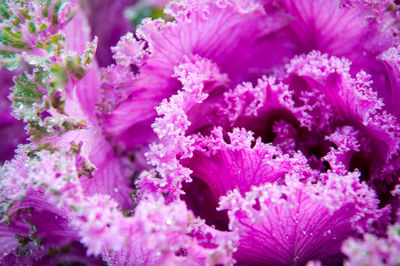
{"x": 31, "y": 29}
{"x": 31, "y": 33}
{"x": 78, "y": 66}
{"x": 136, "y": 15}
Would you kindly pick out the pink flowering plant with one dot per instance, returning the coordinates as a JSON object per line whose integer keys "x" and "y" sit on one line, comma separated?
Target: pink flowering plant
{"x": 214, "y": 132}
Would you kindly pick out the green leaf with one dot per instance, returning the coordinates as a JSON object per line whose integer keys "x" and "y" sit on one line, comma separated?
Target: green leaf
{"x": 32, "y": 27}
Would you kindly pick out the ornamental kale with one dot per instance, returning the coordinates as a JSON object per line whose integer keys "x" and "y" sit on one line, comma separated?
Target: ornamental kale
{"x": 200, "y": 132}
